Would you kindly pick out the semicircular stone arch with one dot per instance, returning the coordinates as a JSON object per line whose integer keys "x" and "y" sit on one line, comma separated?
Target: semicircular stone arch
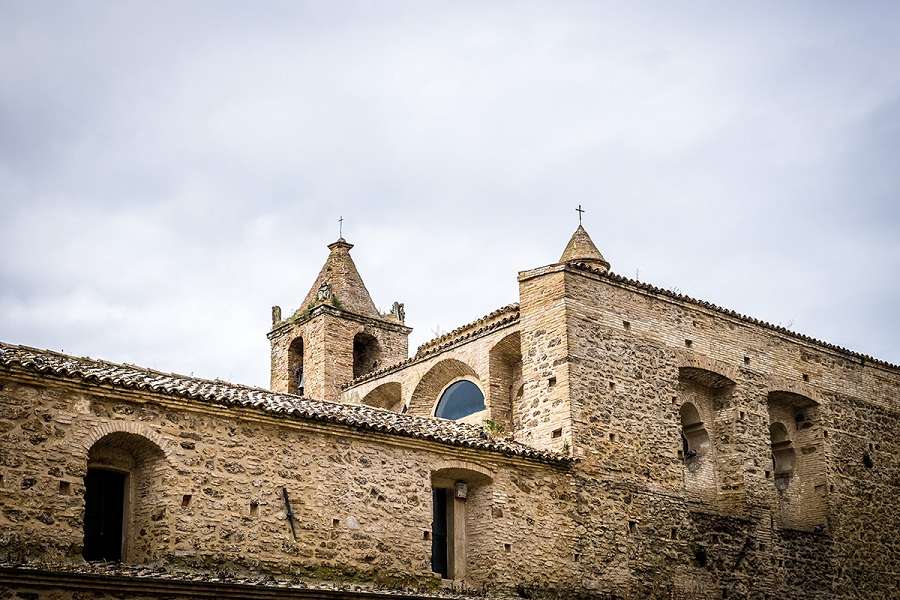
{"x": 707, "y": 371}
{"x": 387, "y": 395}
{"x": 462, "y": 470}
{"x": 425, "y": 395}
{"x": 129, "y": 427}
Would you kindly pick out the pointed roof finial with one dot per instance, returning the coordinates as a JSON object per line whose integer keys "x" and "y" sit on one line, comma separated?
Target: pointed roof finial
{"x": 340, "y": 284}
{"x": 581, "y": 247}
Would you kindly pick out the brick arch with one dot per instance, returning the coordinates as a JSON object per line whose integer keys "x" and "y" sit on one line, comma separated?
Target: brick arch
{"x": 425, "y": 394}
{"x": 131, "y": 427}
{"x": 387, "y": 395}
{"x": 796, "y": 388}
{"x": 462, "y": 470}
{"x": 715, "y": 372}
{"x": 504, "y": 378}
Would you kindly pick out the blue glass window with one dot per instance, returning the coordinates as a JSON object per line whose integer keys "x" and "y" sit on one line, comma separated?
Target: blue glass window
{"x": 459, "y": 400}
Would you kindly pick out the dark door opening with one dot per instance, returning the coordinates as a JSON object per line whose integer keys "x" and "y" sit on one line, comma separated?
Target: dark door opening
{"x": 439, "y": 532}
{"x": 104, "y": 510}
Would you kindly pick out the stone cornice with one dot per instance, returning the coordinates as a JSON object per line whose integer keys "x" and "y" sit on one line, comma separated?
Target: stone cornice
{"x": 299, "y": 319}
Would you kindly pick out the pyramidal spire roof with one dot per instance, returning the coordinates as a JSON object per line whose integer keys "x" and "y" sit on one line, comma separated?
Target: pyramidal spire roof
{"x": 340, "y": 285}
{"x": 582, "y": 249}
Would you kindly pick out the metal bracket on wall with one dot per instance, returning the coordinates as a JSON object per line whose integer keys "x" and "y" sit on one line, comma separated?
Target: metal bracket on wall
{"x": 288, "y": 512}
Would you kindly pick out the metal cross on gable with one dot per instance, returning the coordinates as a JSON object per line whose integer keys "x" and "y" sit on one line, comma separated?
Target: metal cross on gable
{"x": 341, "y": 227}
{"x": 579, "y": 210}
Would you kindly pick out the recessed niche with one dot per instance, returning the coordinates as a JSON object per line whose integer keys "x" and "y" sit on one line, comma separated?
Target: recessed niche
{"x": 688, "y": 343}
{"x": 612, "y": 385}
{"x": 65, "y": 488}
{"x": 254, "y": 508}
{"x": 674, "y": 533}
{"x": 556, "y": 433}
{"x": 426, "y": 535}
{"x": 632, "y": 526}
{"x": 185, "y": 501}
{"x": 612, "y": 437}
{"x": 746, "y": 360}
{"x": 335, "y": 523}
{"x": 551, "y": 381}
{"x": 507, "y": 547}
{"x": 805, "y": 377}
{"x": 626, "y": 325}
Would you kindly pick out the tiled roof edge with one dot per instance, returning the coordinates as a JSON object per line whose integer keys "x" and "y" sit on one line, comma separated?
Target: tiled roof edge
{"x": 182, "y": 582}
{"x": 440, "y": 343}
{"x": 731, "y": 313}
{"x": 123, "y": 376}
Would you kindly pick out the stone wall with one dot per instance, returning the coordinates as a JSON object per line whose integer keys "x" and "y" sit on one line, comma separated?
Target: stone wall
{"x": 328, "y": 355}
{"x": 361, "y": 501}
{"x": 648, "y": 533}
{"x": 491, "y": 359}
{"x": 543, "y": 417}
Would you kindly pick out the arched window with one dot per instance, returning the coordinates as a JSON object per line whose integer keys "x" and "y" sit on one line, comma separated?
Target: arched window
{"x": 366, "y": 354}
{"x": 783, "y": 455}
{"x": 702, "y": 395}
{"x": 798, "y": 460}
{"x": 461, "y": 399}
{"x": 694, "y": 437}
{"x": 296, "y": 379}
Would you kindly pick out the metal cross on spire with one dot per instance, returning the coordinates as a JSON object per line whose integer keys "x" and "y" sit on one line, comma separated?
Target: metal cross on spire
{"x": 341, "y": 227}
{"x": 579, "y": 210}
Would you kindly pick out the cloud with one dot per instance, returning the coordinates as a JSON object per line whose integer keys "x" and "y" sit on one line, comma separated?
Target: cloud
{"x": 168, "y": 171}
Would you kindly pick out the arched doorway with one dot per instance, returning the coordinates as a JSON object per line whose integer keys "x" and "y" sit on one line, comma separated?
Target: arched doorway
{"x": 124, "y": 497}
{"x": 461, "y": 497}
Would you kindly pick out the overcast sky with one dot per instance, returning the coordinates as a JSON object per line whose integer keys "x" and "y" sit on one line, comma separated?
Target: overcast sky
{"x": 169, "y": 171}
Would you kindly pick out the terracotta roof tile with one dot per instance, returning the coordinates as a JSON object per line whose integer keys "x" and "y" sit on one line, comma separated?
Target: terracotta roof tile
{"x": 129, "y": 377}
{"x": 152, "y": 578}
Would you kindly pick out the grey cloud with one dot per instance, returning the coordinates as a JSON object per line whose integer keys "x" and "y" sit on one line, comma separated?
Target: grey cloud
{"x": 168, "y": 171}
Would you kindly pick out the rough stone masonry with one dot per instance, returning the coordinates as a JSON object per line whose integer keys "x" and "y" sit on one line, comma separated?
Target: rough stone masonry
{"x": 601, "y": 438}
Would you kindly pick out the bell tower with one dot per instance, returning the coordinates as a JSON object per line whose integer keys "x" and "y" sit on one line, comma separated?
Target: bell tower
{"x": 337, "y": 333}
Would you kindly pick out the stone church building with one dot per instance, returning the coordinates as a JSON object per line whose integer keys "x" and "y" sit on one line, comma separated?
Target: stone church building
{"x": 600, "y": 438}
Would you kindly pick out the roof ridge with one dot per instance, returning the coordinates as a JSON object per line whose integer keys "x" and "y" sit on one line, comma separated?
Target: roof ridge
{"x": 732, "y": 313}
{"x": 513, "y": 306}
{"x": 441, "y": 342}
{"x": 125, "y": 365}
